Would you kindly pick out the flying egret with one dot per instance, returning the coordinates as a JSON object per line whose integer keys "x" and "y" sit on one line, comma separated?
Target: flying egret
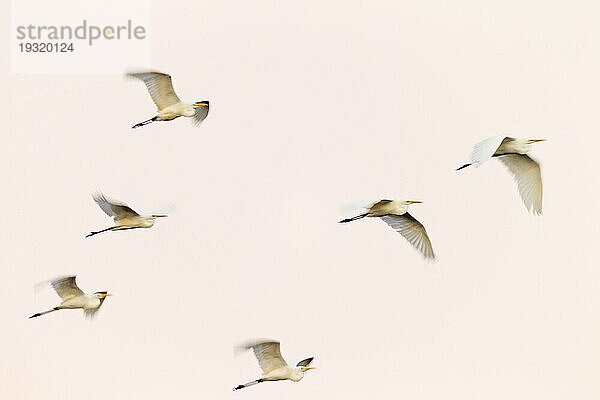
{"x": 273, "y": 365}
{"x": 125, "y": 217}
{"x": 168, "y": 104}
{"x": 72, "y": 297}
{"x": 513, "y": 153}
{"x": 395, "y": 214}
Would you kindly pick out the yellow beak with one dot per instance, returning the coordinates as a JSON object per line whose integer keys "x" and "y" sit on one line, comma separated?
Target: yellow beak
{"x": 538, "y": 140}
{"x": 414, "y": 201}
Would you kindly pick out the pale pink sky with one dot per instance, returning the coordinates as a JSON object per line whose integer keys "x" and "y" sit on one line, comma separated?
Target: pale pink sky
{"x": 313, "y": 106}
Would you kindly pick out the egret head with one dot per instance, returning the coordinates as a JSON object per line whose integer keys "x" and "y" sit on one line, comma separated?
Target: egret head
{"x": 409, "y": 202}
{"x": 203, "y": 103}
{"x": 102, "y": 295}
{"x": 154, "y": 216}
{"x": 304, "y": 365}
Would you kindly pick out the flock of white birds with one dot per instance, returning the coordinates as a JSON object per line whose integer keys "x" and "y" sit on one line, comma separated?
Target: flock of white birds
{"x": 512, "y": 152}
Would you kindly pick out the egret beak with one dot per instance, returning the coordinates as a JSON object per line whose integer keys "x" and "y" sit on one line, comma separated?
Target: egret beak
{"x": 159, "y": 215}
{"x": 201, "y": 104}
{"x": 413, "y": 201}
{"x": 537, "y": 140}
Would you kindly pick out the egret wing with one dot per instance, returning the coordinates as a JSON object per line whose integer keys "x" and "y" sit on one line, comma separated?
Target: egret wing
{"x": 379, "y": 203}
{"x": 413, "y": 231}
{"x": 268, "y": 356}
{"x": 527, "y": 173}
{"x": 200, "y": 115}
{"x": 66, "y": 287}
{"x": 305, "y": 363}
{"x": 90, "y": 313}
{"x": 485, "y": 149}
{"x": 159, "y": 86}
{"x": 113, "y": 208}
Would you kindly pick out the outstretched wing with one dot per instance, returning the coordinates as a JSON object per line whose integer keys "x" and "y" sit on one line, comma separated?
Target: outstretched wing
{"x": 159, "y": 86}
{"x": 66, "y": 287}
{"x": 268, "y": 355}
{"x": 113, "y": 208}
{"x": 527, "y": 173}
{"x": 200, "y": 115}
{"x": 413, "y": 231}
{"x": 379, "y": 203}
{"x": 485, "y": 149}
{"x": 90, "y": 313}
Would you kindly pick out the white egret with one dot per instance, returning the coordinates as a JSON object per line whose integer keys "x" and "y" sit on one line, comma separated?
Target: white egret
{"x": 125, "y": 217}
{"x": 513, "y": 153}
{"x": 72, "y": 297}
{"x": 395, "y": 214}
{"x": 273, "y": 365}
{"x": 168, "y": 104}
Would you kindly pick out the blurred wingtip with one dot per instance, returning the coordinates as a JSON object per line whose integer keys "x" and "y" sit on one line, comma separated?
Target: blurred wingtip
{"x": 250, "y": 343}
{"x": 40, "y": 286}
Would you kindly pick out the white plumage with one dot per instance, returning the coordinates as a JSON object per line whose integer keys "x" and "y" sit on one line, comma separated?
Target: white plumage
{"x": 168, "y": 104}
{"x": 72, "y": 297}
{"x": 274, "y": 367}
{"x": 123, "y": 215}
{"x": 512, "y": 152}
{"x": 395, "y": 214}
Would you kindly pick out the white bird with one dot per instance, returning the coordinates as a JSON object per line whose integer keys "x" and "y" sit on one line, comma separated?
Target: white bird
{"x": 168, "y": 104}
{"x": 513, "y": 153}
{"x": 124, "y": 217}
{"x": 273, "y": 365}
{"x": 395, "y": 214}
{"x": 72, "y": 297}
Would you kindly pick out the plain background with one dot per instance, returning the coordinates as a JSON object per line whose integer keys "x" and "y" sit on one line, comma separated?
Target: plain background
{"x": 314, "y": 106}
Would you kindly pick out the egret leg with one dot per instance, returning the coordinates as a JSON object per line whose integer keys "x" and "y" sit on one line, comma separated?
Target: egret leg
{"x": 44, "y": 312}
{"x": 354, "y": 218}
{"x": 103, "y": 230}
{"x": 238, "y": 387}
{"x": 146, "y": 122}
{"x": 464, "y": 166}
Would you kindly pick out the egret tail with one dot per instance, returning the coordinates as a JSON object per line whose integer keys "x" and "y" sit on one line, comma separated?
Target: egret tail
{"x": 146, "y": 122}
{"x": 97, "y": 232}
{"x": 464, "y": 166}
{"x": 238, "y": 387}
{"x": 44, "y": 312}
{"x": 354, "y": 218}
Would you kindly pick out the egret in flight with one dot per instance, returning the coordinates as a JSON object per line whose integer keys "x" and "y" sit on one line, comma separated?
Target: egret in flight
{"x": 125, "y": 217}
{"x": 273, "y": 365}
{"x": 395, "y": 214}
{"x": 168, "y": 104}
{"x": 513, "y": 153}
{"x": 72, "y": 297}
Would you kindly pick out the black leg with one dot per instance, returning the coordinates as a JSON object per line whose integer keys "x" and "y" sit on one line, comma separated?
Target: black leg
{"x": 97, "y": 232}
{"x": 45, "y": 312}
{"x": 354, "y": 218}
{"x": 238, "y": 387}
{"x": 146, "y": 122}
